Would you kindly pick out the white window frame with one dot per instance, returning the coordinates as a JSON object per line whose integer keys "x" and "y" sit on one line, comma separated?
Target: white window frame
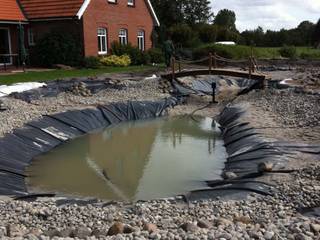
{"x": 102, "y": 35}
{"x": 31, "y": 41}
{"x": 112, "y": 1}
{"x": 10, "y": 50}
{"x": 123, "y": 36}
{"x": 131, "y": 3}
{"x": 141, "y": 39}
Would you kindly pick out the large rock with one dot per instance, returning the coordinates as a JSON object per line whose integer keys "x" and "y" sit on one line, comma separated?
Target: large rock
{"x": 116, "y": 228}
{"x": 150, "y": 227}
{"x": 189, "y": 227}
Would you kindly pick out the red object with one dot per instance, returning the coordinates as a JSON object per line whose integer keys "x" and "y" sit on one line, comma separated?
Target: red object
{"x": 36, "y": 9}
{"x": 10, "y": 11}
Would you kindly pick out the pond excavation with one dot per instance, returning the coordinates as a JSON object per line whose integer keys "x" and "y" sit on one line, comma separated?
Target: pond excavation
{"x": 134, "y": 160}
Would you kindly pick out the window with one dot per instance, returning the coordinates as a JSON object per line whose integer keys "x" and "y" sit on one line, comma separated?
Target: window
{"x": 102, "y": 41}
{"x": 31, "y": 37}
{"x": 131, "y": 3}
{"x": 123, "y": 36}
{"x": 112, "y": 1}
{"x": 141, "y": 43}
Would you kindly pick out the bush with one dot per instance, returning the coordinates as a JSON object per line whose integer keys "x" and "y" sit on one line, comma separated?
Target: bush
{"x": 58, "y": 48}
{"x": 288, "y": 52}
{"x": 137, "y": 56}
{"x": 156, "y": 55}
{"x": 183, "y": 36}
{"x": 207, "y": 33}
{"x": 116, "y": 61}
{"x": 226, "y": 51}
{"x": 91, "y": 62}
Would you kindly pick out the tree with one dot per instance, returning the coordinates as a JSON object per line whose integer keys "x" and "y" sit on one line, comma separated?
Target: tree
{"x": 316, "y": 35}
{"x": 226, "y": 18}
{"x": 196, "y": 11}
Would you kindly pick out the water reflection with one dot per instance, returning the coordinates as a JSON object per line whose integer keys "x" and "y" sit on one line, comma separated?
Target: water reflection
{"x": 134, "y": 161}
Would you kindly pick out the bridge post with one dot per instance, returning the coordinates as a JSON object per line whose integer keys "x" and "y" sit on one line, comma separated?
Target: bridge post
{"x": 250, "y": 67}
{"x": 215, "y": 59}
{"x": 173, "y": 62}
{"x": 210, "y": 62}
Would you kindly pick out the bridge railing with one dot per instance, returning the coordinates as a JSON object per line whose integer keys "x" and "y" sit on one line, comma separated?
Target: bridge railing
{"x": 213, "y": 60}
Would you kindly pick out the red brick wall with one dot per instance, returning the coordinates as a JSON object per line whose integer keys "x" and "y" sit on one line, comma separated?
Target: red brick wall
{"x": 100, "y": 13}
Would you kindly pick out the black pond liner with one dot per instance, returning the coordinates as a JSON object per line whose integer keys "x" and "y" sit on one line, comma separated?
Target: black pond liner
{"x": 53, "y": 88}
{"x": 18, "y": 148}
{"x": 204, "y": 87}
{"x": 246, "y": 148}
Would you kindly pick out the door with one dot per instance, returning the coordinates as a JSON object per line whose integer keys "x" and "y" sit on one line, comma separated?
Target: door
{"x": 5, "y": 47}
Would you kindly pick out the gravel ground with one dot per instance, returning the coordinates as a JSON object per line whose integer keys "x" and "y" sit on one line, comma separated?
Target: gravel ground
{"x": 282, "y": 115}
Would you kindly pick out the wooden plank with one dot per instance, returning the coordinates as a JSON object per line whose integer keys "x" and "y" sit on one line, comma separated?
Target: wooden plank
{"x": 217, "y": 71}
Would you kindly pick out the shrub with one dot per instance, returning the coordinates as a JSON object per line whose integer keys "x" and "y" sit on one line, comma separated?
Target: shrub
{"x": 183, "y": 36}
{"x": 288, "y": 52}
{"x": 137, "y": 56}
{"x": 226, "y": 51}
{"x": 58, "y": 48}
{"x": 116, "y": 61}
{"x": 207, "y": 33}
{"x": 155, "y": 55}
{"x": 91, "y": 62}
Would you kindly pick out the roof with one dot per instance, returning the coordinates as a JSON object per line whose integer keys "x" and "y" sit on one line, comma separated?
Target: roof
{"x": 10, "y": 11}
{"x": 39, "y": 9}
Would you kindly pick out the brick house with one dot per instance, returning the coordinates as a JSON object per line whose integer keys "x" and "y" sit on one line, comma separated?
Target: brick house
{"x": 97, "y": 23}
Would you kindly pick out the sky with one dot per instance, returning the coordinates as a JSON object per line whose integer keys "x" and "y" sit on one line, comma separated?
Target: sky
{"x": 270, "y": 14}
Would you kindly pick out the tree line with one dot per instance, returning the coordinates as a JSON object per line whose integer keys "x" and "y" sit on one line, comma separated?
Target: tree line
{"x": 191, "y": 23}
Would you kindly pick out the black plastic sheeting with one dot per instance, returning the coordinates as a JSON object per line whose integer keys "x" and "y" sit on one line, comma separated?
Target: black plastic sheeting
{"x": 204, "y": 86}
{"x": 17, "y": 149}
{"x": 53, "y": 88}
{"x": 246, "y": 149}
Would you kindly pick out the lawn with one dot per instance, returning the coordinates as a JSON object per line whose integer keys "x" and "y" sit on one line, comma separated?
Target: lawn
{"x": 59, "y": 74}
{"x": 244, "y": 52}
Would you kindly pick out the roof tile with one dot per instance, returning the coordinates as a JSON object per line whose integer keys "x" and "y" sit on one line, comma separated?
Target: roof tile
{"x": 10, "y": 11}
{"x": 37, "y": 9}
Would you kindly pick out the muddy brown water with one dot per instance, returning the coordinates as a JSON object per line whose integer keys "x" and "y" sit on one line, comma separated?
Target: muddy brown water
{"x": 132, "y": 161}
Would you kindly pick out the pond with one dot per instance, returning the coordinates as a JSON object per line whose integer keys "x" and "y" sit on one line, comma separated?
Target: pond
{"x": 138, "y": 160}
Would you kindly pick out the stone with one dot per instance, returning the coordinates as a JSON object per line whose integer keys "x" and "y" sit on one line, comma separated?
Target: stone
{"x": 14, "y": 231}
{"x": 149, "y": 227}
{"x": 81, "y": 232}
{"x": 222, "y": 221}
{"x": 116, "y": 228}
{"x": 99, "y": 232}
{"x": 204, "y": 224}
{"x": 301, "y": 236}
{"x": 52, "y": 233}
{"x": 229, "y": 175}
{"x": 265, "y": 167}
{"x": 128, "y": 229}
{"x": 268, "y": 235}
{"x": 243, "y": 219}
{"x": 315, "y": 227}
{"x": 189, "y": 227}
{"x": 67, "y": 232}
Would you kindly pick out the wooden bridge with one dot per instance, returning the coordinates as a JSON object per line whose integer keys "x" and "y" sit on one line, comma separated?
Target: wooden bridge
{"x": 177, "y": 72}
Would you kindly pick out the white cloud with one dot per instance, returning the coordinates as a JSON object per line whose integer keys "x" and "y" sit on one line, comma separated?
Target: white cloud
{"x": 270, "y": 14}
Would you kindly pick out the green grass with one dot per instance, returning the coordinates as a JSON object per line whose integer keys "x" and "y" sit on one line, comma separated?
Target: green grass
{"x": 60, "y": 74}
{"x": 244, "y": 52}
